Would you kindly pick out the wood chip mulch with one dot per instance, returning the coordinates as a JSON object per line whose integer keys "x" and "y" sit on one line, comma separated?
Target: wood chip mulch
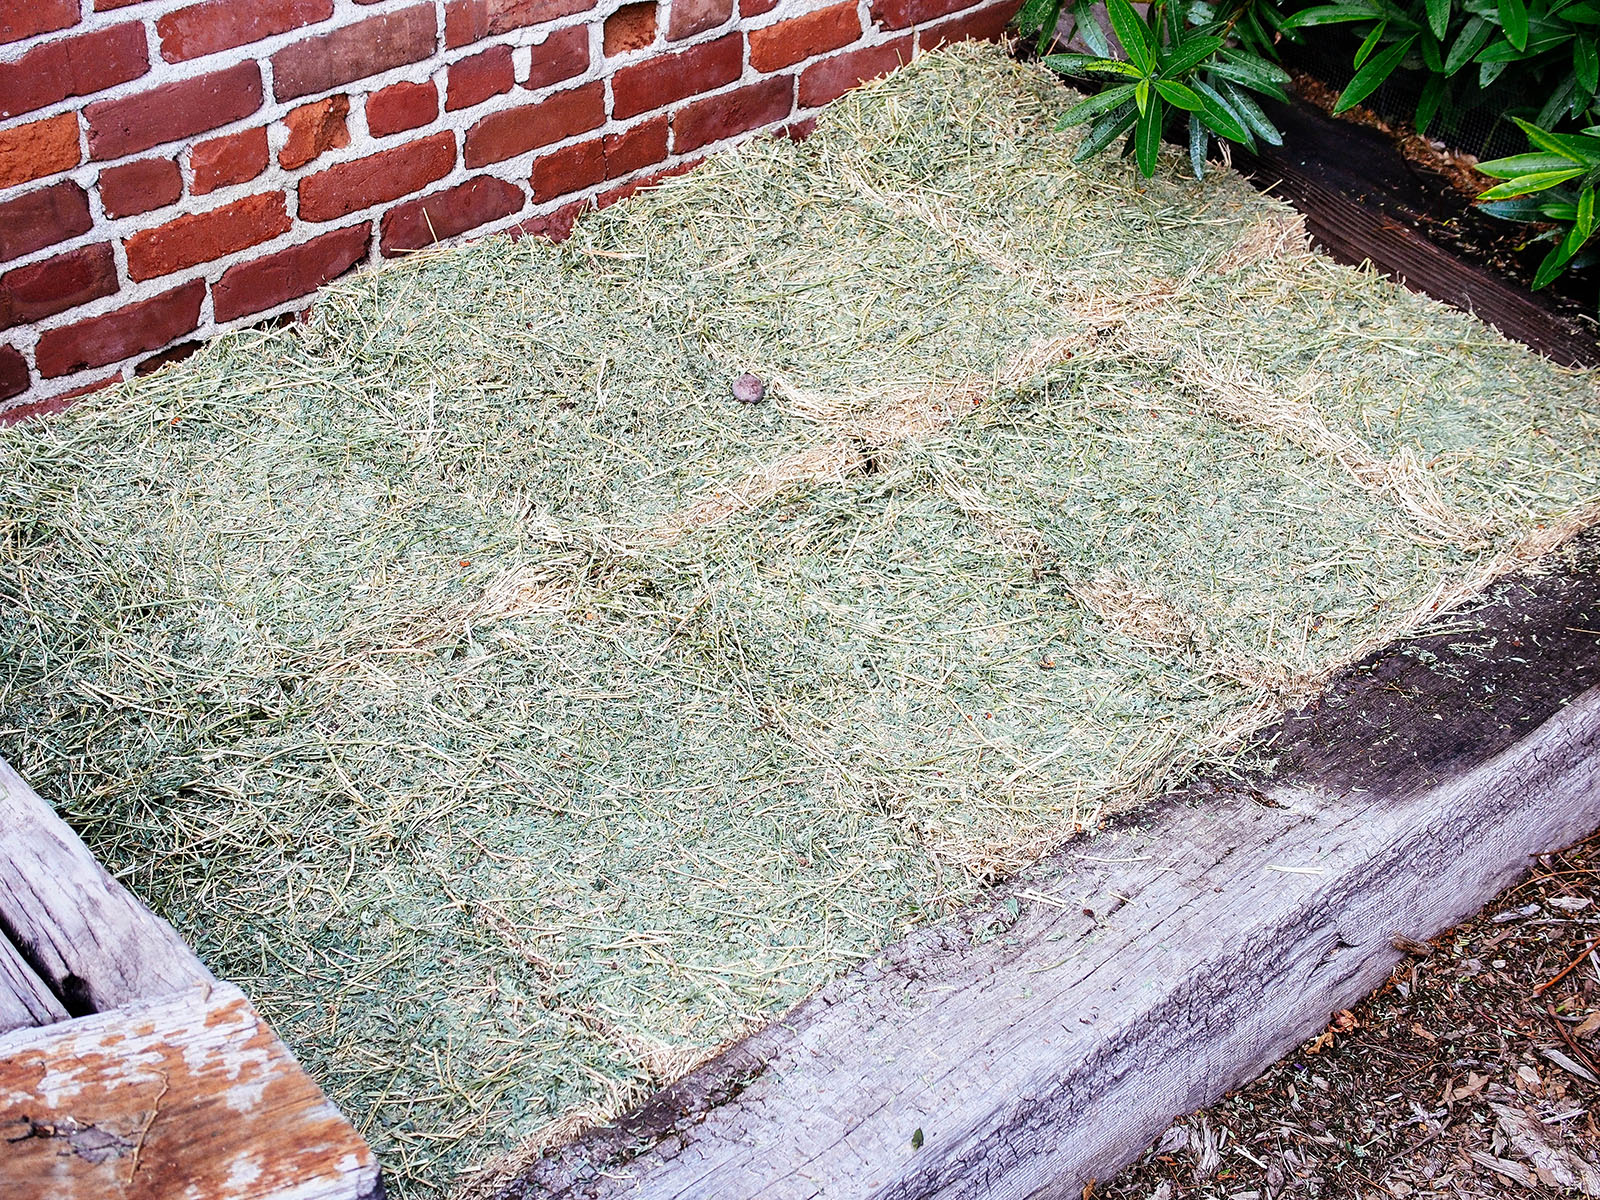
{"x": 1473, "y": 1072}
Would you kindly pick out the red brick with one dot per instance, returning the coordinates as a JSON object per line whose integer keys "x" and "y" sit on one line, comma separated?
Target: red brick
{"x": 165, "y": 358}
{"x": 42, "y": 218}
{"x": 638, "y": 146}
{"x": 222, "y": 24}
{"x": 468, "y": 21}
{"x": 632, "y": 27}
{"x": 232, "y": 158}
{"x": 401, "y": 106}
{"x": 658, "y": 82}
{"x": 173, "y": 111}
{"x": 833, "y": 77}
{"x": 901, "y": 14}
{"x": 54, "y": 285}
{"x": 314, "y": 129}
{"x": 203, "y": 237}
{"x": 27, "y": 18}
{"x": 136, "y": 329}
{"x": 74, "y": 66}
{"x": 267, "y": 282}
{"x": 569, "y": 169}
{"x": 369, "y": 47}
{"x": 473, "y": 80}
{"x": 685, "y": 18}
{"x": 14, "y": 379}
{"x": 111, "y": 5}
{"x": 38, "y": 148}
{"x": 573, "y": 168}
{"x": 516, "y": 131}
{"x": 717, "y": 117}
{"x": 562, "y": 55}
{"x": 387, "y": 175}
{"x": 139, "y": 187}
{"x": 788, "y": 42}
{"x": 623, "y": 190}
{"x": 44, "y": 408}
{"x": 986, "y": 24}
{"x": 556, "y": 226}
{"x": 446, "y": 214}
{"x": 755, "y": 8}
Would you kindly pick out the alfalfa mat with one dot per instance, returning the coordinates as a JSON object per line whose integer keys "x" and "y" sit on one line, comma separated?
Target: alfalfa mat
{"x": 517, "y": 716}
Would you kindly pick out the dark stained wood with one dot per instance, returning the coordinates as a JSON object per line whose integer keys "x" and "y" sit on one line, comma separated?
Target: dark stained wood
{"x": 1043, "y": 1038}
{"x": 79, "y": 930}
{"x": 24, "y": 999}
{"x": 1359, "y": 205}
{"x": 188, "y": 1095}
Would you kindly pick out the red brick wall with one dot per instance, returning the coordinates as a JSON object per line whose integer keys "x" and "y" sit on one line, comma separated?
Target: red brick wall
{"x": 170, "y": 168}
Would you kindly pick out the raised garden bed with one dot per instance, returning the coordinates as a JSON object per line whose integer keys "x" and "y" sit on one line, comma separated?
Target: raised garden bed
{"x": 1040, "y": 1040}
{"x": 519, "y": 717}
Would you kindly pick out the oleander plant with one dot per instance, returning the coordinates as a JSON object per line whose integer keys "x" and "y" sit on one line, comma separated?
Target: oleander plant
{"x": 1195, "y": 71}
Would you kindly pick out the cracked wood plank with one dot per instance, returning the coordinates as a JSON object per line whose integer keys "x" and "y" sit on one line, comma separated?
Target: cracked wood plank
{"x": 1149, "y": 969}
{"x": 186, "y": 1095}
{"x": 79, "y": 930}
{"x": 24, "y": 999}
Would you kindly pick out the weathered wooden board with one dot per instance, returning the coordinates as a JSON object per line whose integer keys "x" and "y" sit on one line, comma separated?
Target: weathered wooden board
{"x": 24, "y": 999}
{"x": 1043, "y": 1039}
{"x": 189, "y": 1095}
{"x": 78, "y": 929}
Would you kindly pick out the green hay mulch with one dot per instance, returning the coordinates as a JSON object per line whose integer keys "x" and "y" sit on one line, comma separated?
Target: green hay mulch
{"x": 517, "y": 717}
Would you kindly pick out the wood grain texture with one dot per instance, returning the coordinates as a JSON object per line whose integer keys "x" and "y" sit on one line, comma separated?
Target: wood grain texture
{"x": 78, "y": 929}
{"x": 1044, "y": 1038}
{"x": 24, "y": 999}
{"x": 189, "y": 1095}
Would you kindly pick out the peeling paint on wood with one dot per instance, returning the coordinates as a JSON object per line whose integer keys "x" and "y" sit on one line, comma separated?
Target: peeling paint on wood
{"x": 186, "y": 1096}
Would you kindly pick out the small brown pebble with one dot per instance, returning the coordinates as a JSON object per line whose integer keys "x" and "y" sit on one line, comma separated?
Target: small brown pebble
{"x": 748, "y": 389}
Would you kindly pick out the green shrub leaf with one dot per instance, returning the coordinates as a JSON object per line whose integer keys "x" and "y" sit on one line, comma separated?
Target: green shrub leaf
{"x": 1522, "y": 185}
{"x": 1428, "y": 103}
{"x": 1580, "y": 148}
{"x": 1514, "y": 22}
{"x": 1253, "y": 71}
{"x": 1472, "y": 38}
{"x": 1242, "y": 104}
{"x": 1088, "y": 64}
{"x": 1370, "y": 43}
{"x": 1221, "y": 116}
{"x": 1190, "y": 54}
{"x": 1199, "y": 140}
{"x": 1331, "y": 14}
{"x": 1096, "y": 106}
{"x": 1438, "y": 17}
{"x": 1133, "y": 33}
{"x": 1586, "y": 64}
{"x": 1147, "y": 137}
{"x": 1378, "y": 68}
{"x": 1178, "y": 96}
{"x": 1558, "y": 258}
{"x": 1087, "y": 26}
{"x": 1524, "y": 164}
{"x": 1107, "y": 130}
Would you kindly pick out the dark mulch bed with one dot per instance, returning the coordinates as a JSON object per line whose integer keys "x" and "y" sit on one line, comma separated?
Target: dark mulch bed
{"x": 1469, "y": 1073}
